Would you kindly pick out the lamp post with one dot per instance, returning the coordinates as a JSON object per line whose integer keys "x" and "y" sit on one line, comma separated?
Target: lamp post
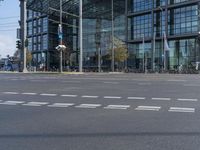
{"x": 113, "y": 52}
{"x": 81, "y": 35}
{"x": 60, "y": 36}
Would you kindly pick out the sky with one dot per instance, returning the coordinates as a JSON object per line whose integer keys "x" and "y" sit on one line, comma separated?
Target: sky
{"x": 9, "y": 16}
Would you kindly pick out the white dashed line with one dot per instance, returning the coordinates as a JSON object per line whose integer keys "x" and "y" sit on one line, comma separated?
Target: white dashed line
{"x": 12, "y": 93}
{"x": 29, "y": 93}
{"x": 45, "y": 94}
{"x": 61, "y": 105}
{"x": 162, "y": 99}
{"x": 71, "y": 81}
{"x": 69, "y": 95}
{"x": 176, "y": 80}
{"x": 87, "y": 96}
{"x": 88, "y": 106}
{"x": 152, "y": 108}
{"x": 111, "y": 82}
{"x": 144, "y": 83}
{"x": 15, "y": 102}
{"x": 11, "y": 102}
{"x": 112, "y": 97}
{"x": 35, "y": 104}
{"x": 180, "y": 109}
{"x": 190, "y": 100}
{"x": 137, "y": 98}
{"x": 117, "y": 107}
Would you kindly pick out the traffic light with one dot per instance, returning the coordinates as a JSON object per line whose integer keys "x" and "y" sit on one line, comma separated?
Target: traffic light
{"x": 18, "y": 44}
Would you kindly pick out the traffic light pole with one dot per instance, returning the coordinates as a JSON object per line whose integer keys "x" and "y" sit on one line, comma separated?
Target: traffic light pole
{"x": 23, "y": 27}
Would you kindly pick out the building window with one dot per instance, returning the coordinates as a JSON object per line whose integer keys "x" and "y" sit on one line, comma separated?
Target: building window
{"x": 183, "y": 20}
{"x": 141, "y": 5}
{"x": 141, "y": 26}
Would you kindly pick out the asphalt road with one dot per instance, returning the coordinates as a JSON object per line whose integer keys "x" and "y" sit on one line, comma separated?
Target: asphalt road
{"x": 99, "y": 112}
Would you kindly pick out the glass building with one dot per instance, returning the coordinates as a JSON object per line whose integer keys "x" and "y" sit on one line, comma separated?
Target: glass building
{"x": 144, "y": 26}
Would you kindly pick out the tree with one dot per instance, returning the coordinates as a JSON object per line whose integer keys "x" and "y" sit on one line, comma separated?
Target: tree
{"x": 120, "y": 52}
{"x": 28, "y": 57}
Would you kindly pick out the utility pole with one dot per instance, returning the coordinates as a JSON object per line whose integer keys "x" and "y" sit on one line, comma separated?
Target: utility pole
{"x": 23, "y": 27}
{"x": 81, "y": 35}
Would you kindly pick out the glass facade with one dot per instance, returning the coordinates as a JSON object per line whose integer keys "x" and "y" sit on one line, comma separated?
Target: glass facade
{"x": 155, "y": 25}
{"x": 159, "y": 34}
{"x": 37, "y": 32}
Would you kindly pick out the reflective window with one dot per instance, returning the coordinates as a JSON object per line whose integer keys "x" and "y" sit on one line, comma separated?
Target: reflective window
{"x": 140, "y": 5}
{"x": 183, "y": 20}
{"x": 141, "y": 26}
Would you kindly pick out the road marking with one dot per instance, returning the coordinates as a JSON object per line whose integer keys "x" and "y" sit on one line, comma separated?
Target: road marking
{"x": 111, "y": 82}
{"x": 71, "y": 81}
{"x": 190, "y": 100}
{"x": 69, "y": 95}
{"x": 153, "y": 108}
{"x": 12, "y": 102}
{"x": 61, "y": 105}
{"x": 45, "y": 94}
{"x": 12, "y": 93}
{"x": 144, "y": 83}
{"x": 88, "y": 106}
{"x": 112, "y": 97}
{"x": 29, "y": 93}
{"x": 163, "y": 99}
{"x": 176, "y": 80}
{"x": 15, "y": 102}
{"x": 138, "y": 98}
{"x": 117, "y": 107}
{"x": 87, "y": 96}
{"x": 14, "y": 79}
{"x": 180, "y": 109}
{"x": 35, "y": 103}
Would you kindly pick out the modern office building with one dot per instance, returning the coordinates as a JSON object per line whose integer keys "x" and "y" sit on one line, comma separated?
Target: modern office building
{"x": 159, "y": 34}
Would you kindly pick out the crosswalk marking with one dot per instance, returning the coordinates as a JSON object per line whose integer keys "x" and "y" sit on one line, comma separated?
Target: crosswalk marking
{"x": 88, "y": 106}
{"x": 191, "y": 100}
{"x": 46, "y": 94}
{"x": 29, "y": 93}
{"x": 35, "y": 103}
{"x": 136, "y": 98}
{"x": 87, "y": 96}
{"x": 11, "y": 102}
{"x": 12, "y": 93}
{"x": 164, "y": 99}
{"x": 152, "y": 108}
{"x": 69, "y": 95}
{"x": 117, "y": 107}
{"x": 180, "y": 109}
{"x": 112, "y": 97}
{"x": 61, "y": 105}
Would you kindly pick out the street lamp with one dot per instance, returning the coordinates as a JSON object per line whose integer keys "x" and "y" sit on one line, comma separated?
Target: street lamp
{"x": 113, "y": 52}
